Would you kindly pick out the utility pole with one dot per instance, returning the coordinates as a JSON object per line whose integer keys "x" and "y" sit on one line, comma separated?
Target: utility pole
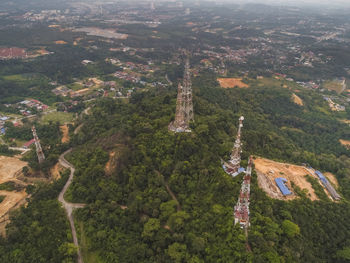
{"x": 39, "y": 151}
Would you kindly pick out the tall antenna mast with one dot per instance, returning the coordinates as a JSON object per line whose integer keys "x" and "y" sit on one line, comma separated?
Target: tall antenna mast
{"x": 39, "y": 150}
{"x": 233, "y": 165}
{"x": 184, "y": 104}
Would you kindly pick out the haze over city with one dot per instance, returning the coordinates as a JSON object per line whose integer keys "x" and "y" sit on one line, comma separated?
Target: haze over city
{"x": 173, "y": 131}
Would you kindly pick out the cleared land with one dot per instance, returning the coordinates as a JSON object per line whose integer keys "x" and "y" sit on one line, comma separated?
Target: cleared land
{"x": 334, "y": 85}
{"x": 345, "y": 121}
{"x": 297, "y": 100}
{"x": 65, "y": 131}
{"x": 232, "y": 82}
{"x": 61, "y": 117}
{"x": 9, "y": 166}
{"x": 55, "y": 171}
{"x": 107, "y": 33}
{"x": 345, "y": 143}
{"x": 11, "y": 200}
{"x": 331, "y": 177}
{"x": 60, "y": 42}
{"x": 110, "y": 165}
{"x": 268, "y": 170}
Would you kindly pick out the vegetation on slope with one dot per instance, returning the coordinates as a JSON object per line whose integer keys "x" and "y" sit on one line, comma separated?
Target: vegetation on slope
{"x": 132, "y": 217}
{"x": 169, "y": 200}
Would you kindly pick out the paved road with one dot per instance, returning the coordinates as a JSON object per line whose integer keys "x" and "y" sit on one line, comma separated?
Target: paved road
{"x": 70, "y": 206}
{"x": 22, "y": 150}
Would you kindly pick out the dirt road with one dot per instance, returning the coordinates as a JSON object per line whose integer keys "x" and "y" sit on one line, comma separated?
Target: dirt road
{"x": 70, "y": 206}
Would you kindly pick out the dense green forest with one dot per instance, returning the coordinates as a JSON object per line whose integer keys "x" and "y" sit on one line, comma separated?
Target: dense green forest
{"x": 40, "y": 231}
{"x": 132, "y": 216}
{"x": 155, "y": 196}
{"x": 167, "y": 198}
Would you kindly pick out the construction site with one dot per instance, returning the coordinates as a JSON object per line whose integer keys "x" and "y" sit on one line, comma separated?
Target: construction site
{"x": 184, "y": 105}
{"x": 13, "y": 183}
{"x": 10, "y": 171}
{"x": 232, "y": 83}
{"x": 276, "y": 180}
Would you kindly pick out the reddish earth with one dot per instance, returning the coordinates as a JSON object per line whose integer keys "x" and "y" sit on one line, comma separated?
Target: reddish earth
{"x": 13, "y": 52}
{"x": 331, "y": 177}
{"x": 268, "y": 171}
{"x": 10, "y": 169}
{"x": 297, "y": 99}
{"x": 232, "y": 82}
{"x": 60, "y": 42}
{"x": 345, "y": 143}
{"x": 65, "y": 131}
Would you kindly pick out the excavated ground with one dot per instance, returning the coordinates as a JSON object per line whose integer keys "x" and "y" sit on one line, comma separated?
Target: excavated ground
{"x": 10, "y": 169}
{"x": 268, "y": 170}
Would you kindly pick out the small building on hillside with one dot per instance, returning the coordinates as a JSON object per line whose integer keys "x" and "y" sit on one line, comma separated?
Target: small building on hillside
{"x": 328, "y": 186}
{"x": 28, "y": 144}
{"x": 281, "y": 183}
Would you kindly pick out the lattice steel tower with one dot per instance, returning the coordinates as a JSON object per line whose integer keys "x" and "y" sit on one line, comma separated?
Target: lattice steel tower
{"x": 39, "y": 150}
{"x": 241, "y": 209}
{"x": 237, "y": 149}
{"x": 184, "y": 105}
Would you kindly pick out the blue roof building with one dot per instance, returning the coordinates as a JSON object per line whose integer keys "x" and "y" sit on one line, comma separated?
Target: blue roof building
{"x": 281, "y": 183}
{"x": 321, "y": 176}
{"x": 241, "y": 170}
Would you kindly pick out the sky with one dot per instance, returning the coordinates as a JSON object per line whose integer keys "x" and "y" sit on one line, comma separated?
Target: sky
{"x": 334, "y": 3}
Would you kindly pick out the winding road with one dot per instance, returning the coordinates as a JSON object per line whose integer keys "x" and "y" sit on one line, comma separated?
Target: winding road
{"x": 69, "y": 207}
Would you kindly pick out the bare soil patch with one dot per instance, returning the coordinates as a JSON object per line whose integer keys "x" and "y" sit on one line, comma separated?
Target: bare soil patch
{"x": 268, "y": 170}
{"x": 65, "y": 131}
{"x": 331, "y": 177}
{"x": 297, "y": 100}
{"x": 55, "y": 171}
{"x": 345, "y": 143}
{"x": 345, "y": 121}
{"x": 11, "y": 200}
{"x": 9, "y": 167}
{"x": 10, "y": 170}
{"x": 110, "y": 165}
{"x": 232, "y": 82}
{"x": 60, "y": 42}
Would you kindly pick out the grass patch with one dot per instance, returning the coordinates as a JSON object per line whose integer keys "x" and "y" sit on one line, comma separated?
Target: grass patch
{"x": 2, "y": 197}
{"x": 303, "y": 193}
{"x": 75, "y": 86}
{"x": 88, "y": 255}
{"x": 319, "y": 191}
{"x": 61, "y": 117}
{"x": 273, "y": 83}
{"x": 68, "y": 195}
{"x": 8, "y": 186}
{"x": 16, "y": 78}
{"x": 4, "y": 150}
{"x": 333, "y": 85}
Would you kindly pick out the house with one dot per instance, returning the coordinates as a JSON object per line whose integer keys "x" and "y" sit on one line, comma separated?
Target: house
{"x": 28, "y": 144}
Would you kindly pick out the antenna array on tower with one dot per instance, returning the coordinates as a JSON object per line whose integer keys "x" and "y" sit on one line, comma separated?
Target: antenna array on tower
{"x": 39, "y": 151}
{"x": 184, "y": 105}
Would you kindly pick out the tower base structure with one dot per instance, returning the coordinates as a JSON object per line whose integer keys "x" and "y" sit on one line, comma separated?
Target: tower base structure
{"x": 175, "y": 129}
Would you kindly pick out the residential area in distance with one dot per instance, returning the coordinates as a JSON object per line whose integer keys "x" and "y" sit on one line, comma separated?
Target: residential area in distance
{"x": 174, "y": 131}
